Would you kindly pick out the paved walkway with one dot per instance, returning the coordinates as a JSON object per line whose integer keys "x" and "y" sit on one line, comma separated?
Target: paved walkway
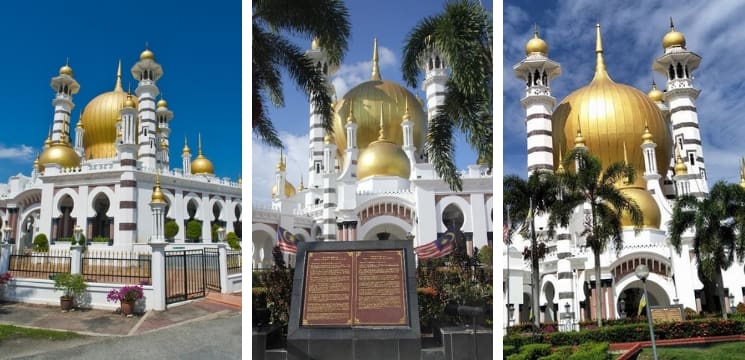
{"x": 109, "y": 323}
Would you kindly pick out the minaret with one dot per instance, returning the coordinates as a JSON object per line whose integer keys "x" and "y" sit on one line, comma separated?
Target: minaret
{"x": 648, "y": 146}
{"x": 350, "y": 168}
{"x": 537, "y": 70}
{"x": 435, "y": 76}
{"x": 279, "y": 178}
{"x": 79, "y": 134}
{"x": 64, "y": 86}
{"x": 315, "y": 146}
{"x": 164, "y": 116}
{"x": 157, "y": 206}
{"x": 147, "y": 71}
{"x": 128, "y": 127}
{"x": 127, "y": 148}
{"x": 329, "y": 197}
{"x": 678, "y": 64}
{"x": 186, "y": 158}
{"x": 408, "y": 133}
{"x": 682, "y": 177}
{"x": 579, "y": 143}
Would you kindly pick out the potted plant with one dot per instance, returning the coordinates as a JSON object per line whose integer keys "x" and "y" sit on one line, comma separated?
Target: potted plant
{"x": 72, "y": 286}
{"x": 127, "y": 295}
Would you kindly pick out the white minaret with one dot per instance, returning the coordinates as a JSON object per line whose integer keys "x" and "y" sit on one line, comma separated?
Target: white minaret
{"x": 128, "y": 126}
{"x": 127, "y": 189}
{"x": 317, "y": 133}
{"x": 164, "y": 116}
{"x": 678, "y": 64}
{"x": 64, "y": 86}
{"x": 537, "y": 70}
{"x": 79, "y": 136}
{"x": 408, "y": 134}
{"x": 328, "y": 214}
{"x": 279, "y": 179}
{"x": 186, "y": 158}
{"x": 434, "y": 83}
{"x": 147, "y": 71}
{"x": 350, "y": 168}
{"x": 651, "y": 173}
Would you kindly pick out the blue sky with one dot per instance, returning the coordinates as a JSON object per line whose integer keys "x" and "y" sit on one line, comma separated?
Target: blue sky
{"x": 387, "y": 20}
{"x": 632, "y": 36}
{"x": 198, "y": 46}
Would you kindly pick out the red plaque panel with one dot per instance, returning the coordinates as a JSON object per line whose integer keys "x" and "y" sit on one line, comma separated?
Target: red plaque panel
{"x": 327, "y": 299}
{"x": 379, "y": 288}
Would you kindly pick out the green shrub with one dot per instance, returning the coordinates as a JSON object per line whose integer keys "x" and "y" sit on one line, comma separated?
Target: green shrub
{"x": 279, "y": 289}
{"x": 170, "y": 229}
{"x": 691, "y": 314}
{"x": 193, "y": 230}
{"x": 41, "y": 243}
{"x": 485, "y": 255}
{"x": 100, "y": 239}
{"x": 233, "y": 241}
{"x": 591, "y": 351}
{"x": 258, "y": 297}
{"x": 531, "y": 352}
{"x": 430, "y": 307}
{"x": 213, "y": 232}
{"x": 258, "y": 278}
{"x": 508, "y": 350}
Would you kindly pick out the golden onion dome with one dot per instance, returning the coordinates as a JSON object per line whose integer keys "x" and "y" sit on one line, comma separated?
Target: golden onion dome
{"x": 650, "y": 211}
{"x": 610, "y": 114}
{"x": 680, "y": 165}
{"x": 65, "y": 70}
{"x": 129, "y": 103}
{"x": 536, "y": 45}
{"x": 36, "y": 163}
{"x": 366, "y": 100}
{"x": 186, "y": 149}
{"x": 655, "y": 94}
{"x": 289, "y": 190}
{"x": 59, "y": 153}
{"x": 202, "y": 165}
{"x": 579, "y": 140}
{"x": 647, "y": 137}
{"x": 162, "y": 103}
{"x": 99, "y": 119}
{"x": 673, "y": 38}
{"x": 147, "y": 55}
{"x": 158, "y": 197}
{"x": 383, "y": 158}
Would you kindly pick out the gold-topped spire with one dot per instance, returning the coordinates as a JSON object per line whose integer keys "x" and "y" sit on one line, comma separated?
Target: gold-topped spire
{"x": 118, "y": 85}
{"x": 647, "y": 137}
{"x": 199, "y": 145}
{"x": 302, "y": 187}
{"x": 406, "y": 116}
{"x": 560, "y": 169}
{"x": 673, "y": 38}
{"x": 600, "y": 70}
{"x": 655, "y": 94}
{"x": 186, "y": 149}
{"x": 536, "y": 44}
{"x": 375, "y": 67}
{"x": 158, "y": 197}
{"x": 625, "y": 156}
{"x": 350, "y": 117}
{"x": 680, "y": 166}
{"x": 281, "y": 166}
{"x": 579, "y": 140}
{"x": 66, "y": 69}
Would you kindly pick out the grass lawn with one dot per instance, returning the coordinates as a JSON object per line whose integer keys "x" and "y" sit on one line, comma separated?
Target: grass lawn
{"x": 14, "y": 332}
{"x": 718, "y": 351}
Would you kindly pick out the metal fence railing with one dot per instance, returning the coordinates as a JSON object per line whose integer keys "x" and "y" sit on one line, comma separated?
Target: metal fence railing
{"x": 117, "y": 267}
{"x": 212, "y": 269}
{"x": 235, "y": 262}
{"x": 39, "y": 265}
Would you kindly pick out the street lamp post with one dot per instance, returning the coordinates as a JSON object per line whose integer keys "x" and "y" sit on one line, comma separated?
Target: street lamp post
{"x": 6, "y": 231}
{"x": 221, "y": 234}
{"x": 622, "y": 305}
{"x": 510, "y": 313}
{"x": 78, "y": 232}
{"x": 642, "y": 272}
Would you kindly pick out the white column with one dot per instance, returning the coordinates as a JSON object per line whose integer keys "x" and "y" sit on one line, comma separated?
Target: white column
{"x": 223, "y": 258}
{"x": 4, "y": 257}
{"x": 158, "y": 273}
{"x": 76, "y": 255}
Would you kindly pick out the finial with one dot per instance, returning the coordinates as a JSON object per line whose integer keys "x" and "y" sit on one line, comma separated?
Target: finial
{"x": 672, "y": 26}
{"x": 200, "y": 144}
{"x": 600, "y": 71}
{"x": 302, "y": 187}
{"x": 350, "y": 117}
{"x": 382, "y": 134}
{"x": 375, "y": 67}
{"x": 625, "y": 156}
{"x": 535, "y": 30}
{"x": 147, "y": 46}
{"x": 118, "y": 85}
{"x": 67, "y": 61}
{"x": 407, "y": 116}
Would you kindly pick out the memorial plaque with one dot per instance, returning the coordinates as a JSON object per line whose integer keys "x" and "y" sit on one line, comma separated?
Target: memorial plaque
{"x": 380, "y": 297}
{"x": 667, "y": 313}
{"x": 328, "y": 293}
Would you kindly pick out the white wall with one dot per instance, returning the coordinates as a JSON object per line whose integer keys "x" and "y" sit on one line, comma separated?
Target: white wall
{"x": 38, "y": 291}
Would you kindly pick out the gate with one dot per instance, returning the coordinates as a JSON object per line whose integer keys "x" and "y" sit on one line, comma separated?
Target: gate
{"x": 190, "y": 273}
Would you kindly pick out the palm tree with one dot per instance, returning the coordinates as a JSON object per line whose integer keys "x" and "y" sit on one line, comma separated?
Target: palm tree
{"x": 462, "y": 34}
{"x": 716, "y": 237}
{"x": 540, "y": 194}
{"x": 600, "y": 189}
{"x": 327, "y": 20}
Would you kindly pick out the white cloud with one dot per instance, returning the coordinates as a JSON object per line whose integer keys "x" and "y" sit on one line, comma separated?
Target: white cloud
{"x": 350, "y": 75}
{"x": 632, "y": 38}
{"x": 265, "y": 161}
{"x": 17, "y": 153}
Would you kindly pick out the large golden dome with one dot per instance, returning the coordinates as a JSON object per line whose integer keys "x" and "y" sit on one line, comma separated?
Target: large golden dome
{"x": 59, "y": 153}
{"x": 366, "y": 100}
{"x": 649, "y": 208}
{"x": 99, "y": 120}
{"x": 611, "y": 115}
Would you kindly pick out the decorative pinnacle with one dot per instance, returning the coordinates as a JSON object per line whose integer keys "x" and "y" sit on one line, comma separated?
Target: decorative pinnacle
{"x": 200, "y": 145}
{"x": 625, "y": 156}
{"x": 118, "y": 85}
{"x": 535, "y": 30}
{"x": 375, "y": 67}
{"x": 350, "y": 117}
{"x": 407, "y": 116}
{"x": 600, "y": 70}
{"x": 382, "y": 134}
{"x": 672, "y": 26}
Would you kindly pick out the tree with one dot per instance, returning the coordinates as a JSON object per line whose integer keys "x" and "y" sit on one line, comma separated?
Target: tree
{"x": 272, "y": 52}
{"x": 600, "y": 189}
{"x": 462, "y": 35}
{"x": 193, "y": 229}
{"x": 41, "y": 243}
{"x": 538, "y": 195}
{"x": 233, "y": 241}
{"x": 718, "y": 223}
{"x": 170, "y": 229}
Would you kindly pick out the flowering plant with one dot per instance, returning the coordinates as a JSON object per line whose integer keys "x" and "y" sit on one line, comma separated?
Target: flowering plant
{"x": 126, "y": 293}
{"x": 5, "y": 278}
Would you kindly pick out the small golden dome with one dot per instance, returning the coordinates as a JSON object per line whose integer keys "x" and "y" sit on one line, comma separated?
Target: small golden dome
{"x": 645, "y": 201}
{"x": 147, "y": 55}
{"x": 328, "y": 139}
{"x": 680, "y": 165}
{"x": 579, "y": 140}
{"x": 36, "y": 163}
{"x": 59, "y": 153}
{"x": 301, "y": 187}
{"x": 647, "y": 137}
{"x": 65, "y": 70}
{"x": 48, "y": 142}
{"x": 655, "y": 94}
{"x": 129, "y": 103}
{"x": 162, "y": 103}
{"x": 560, "y": 169}
{"x": 383, "y": 158}
{"x": 202, "y": 165}
{"x": 281, "y": 165}
{"x": 673, "y": 38}
{"x": 536, "y": 45}
{"x": 289, "y": 190}
{"x": 186, "y": 149}
{"x": 158, "y": 196}
{"x": 315, "y": 44}
{"x": 163, "y": 144}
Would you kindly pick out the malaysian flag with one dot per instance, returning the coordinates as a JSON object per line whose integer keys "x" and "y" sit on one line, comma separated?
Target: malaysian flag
{"x": 444, "y": 245}
{"x": 287, "y": 241}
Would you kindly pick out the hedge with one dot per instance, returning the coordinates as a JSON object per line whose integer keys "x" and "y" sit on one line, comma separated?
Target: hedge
{"x": 531, "y": 352}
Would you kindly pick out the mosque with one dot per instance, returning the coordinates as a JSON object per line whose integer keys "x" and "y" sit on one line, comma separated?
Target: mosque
{"x": 371, "y": 179}
{"x": 102, "y": 182}
{"x": 658, "y": 135}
